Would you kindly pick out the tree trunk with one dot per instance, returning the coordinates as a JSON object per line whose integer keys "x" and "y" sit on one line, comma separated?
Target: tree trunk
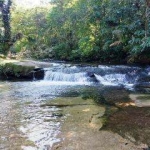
{"x": 147, "y": 19}
{"x": 6, "y": 24}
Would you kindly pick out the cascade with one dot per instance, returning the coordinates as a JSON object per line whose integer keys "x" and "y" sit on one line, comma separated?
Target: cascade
{"x": 102, "y": 75}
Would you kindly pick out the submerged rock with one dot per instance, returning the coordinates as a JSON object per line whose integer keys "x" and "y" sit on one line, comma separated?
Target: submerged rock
{"x": 132, "y": 123}
{"x": 116, "y": 95}
{"x": 141, "y": 100}
{"x": 112, "y": 96}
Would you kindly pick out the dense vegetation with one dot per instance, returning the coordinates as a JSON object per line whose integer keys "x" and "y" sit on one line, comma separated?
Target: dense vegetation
{"x": 84, "y": 30}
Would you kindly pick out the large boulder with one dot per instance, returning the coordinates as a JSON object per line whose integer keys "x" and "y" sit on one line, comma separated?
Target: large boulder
{"x": 15, "y": 71}
{"x": 22, "y": 70}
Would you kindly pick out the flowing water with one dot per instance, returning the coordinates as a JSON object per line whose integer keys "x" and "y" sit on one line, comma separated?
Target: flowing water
{"x": 25, "y": 125}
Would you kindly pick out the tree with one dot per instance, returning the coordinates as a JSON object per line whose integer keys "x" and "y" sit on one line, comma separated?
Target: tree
{"x": 86, "y": 30}
{"x": 147, "y": 18}
{"x": 5, "y": 10}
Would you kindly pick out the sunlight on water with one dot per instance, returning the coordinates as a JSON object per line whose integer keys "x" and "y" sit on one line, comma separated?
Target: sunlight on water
{"x": 42, "y": 129}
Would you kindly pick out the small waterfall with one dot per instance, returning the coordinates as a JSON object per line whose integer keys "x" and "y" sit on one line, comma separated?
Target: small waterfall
{"x": 112, "y": 79}
{"x": 66, "y": 77}
{"x": 116, "y": 79}
{"x": 101, "y": 75}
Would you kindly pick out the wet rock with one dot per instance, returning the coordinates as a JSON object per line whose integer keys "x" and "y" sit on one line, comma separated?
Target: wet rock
{"x": 141, "y": 100}
{"x": 38, "y": 69}
{"x": 142, "y": 85}
{"x": 22, "y": 70}
{"x": 2, "y": 56}
{"x": 14, "y": 136}
{"x": 144, "y": 79}
{"x": 131, "y": 122}
{"x": 70, "y": 94}
{"x": 39, "y": 73}
{"x": 115, "y": 95}
{"x": 57, "y": 115}
{"x": 144, "y": 58}
{"x": 14, "y": 71}
{"x": 91, "y": 74}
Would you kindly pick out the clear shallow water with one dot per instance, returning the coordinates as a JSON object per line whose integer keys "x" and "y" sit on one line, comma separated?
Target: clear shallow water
{"x": 23, "y": 123}
{"x": 26, "y": 125}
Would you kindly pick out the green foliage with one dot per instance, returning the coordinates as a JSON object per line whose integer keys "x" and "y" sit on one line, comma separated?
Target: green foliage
{"x": 84, "y": 30}
{"x": 32, "y": 24}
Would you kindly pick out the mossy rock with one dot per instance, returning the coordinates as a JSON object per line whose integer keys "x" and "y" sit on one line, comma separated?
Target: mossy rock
{"x": 13, "y": 71}
{"x": 2, "y": 56}
{"x": 22, "y": 69}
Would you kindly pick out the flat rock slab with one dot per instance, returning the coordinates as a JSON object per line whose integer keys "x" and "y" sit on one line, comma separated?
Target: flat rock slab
{"x": 132, "y": 123}
{"x": 80, "y": 128}
{"x": 22, "y": 69}
{"x": 69, "y": 101}
{"x": 141, "y": 100}
{"x": 35, "y": 64}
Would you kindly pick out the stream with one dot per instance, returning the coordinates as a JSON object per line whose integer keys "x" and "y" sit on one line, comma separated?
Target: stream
{"x": 25, "y": 125}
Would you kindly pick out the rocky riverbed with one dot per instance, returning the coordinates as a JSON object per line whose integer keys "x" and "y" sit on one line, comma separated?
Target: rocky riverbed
{"x": 82, "y": 127}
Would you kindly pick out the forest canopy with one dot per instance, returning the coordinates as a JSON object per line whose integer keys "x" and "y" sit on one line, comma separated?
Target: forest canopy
{"x": 79, "y": 30}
